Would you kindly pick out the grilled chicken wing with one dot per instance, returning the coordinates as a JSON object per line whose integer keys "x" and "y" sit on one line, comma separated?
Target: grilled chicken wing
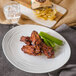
{"x": 26, "y": 40}
{"x": 48, "y": 51}
{"x": 35, "y": 38}
{"x": 29, "y": 49}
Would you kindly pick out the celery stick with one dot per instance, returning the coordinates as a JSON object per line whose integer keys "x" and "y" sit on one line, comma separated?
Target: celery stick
{"x": 51, "y": 38}
{"x": 46, "y": 42}
{"x": 51, "y": 43}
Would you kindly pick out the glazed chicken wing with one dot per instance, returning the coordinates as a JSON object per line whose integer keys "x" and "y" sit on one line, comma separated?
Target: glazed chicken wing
{"x": 29, "y": 49}
{"x": 48, "y": 51}
{"x": 26, "y": 40}
{"x": 35, "y": 38}
{"x": 36, "y": 41}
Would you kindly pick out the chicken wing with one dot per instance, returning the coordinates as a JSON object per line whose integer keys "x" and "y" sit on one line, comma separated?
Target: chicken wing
{"x": 47, "y": 50}
{"x": 36, "y": 41}
{"x": 29, "y": 49}
{"x": 35, "y": 38}
{"x": 26, "y": 40}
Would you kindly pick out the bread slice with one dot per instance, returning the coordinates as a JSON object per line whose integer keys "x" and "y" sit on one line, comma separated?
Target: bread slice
{"x": 40, "y": 3}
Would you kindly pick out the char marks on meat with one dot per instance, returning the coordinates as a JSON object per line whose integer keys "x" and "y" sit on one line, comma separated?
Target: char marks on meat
{"x": 29, "y": 49}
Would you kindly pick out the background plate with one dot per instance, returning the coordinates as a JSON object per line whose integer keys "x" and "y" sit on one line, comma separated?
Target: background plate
{"x": 48, "y": 23}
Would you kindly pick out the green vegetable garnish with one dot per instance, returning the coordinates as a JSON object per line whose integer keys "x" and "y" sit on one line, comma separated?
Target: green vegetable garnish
{"x": 48, "y": 42}
{"x": 51, "y": 43}
{"x": 51, "y": 38}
